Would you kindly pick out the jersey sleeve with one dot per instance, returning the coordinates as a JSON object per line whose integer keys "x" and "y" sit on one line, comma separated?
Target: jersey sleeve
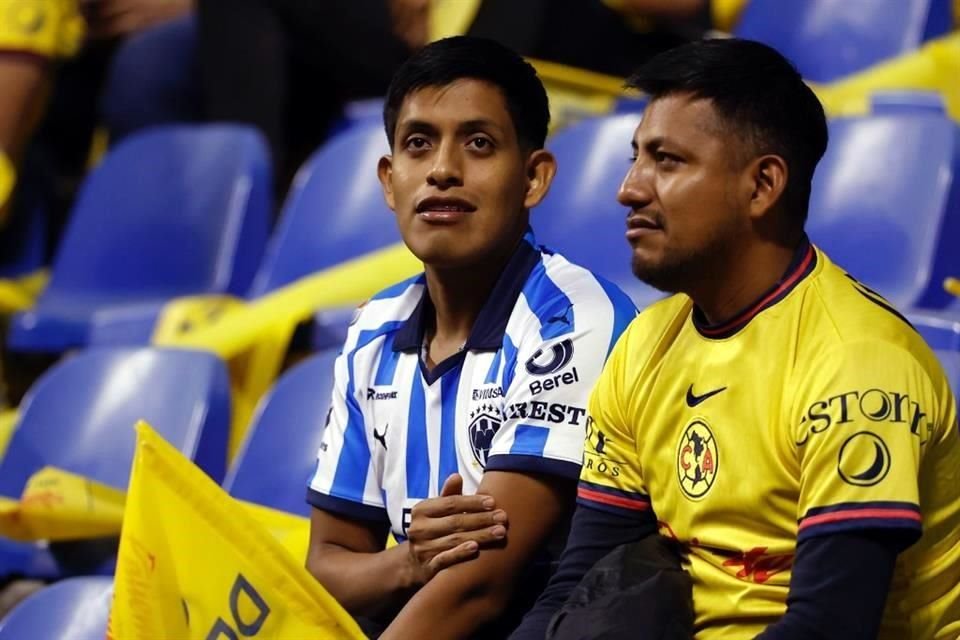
{"x": 546, "y": 390}
{"x": 344, "y": 481}
{"x": 864, "y": 416}
{"x": 611, "y": 478}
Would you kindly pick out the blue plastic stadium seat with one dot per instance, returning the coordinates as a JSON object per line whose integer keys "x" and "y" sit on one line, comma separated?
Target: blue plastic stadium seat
{"x": 580, "y": 216}
{"x": 940, "y": 329}
{"x": 828, "y": 39}
{"x": 23, "y": 241}
{"x": 280, "y": 453}
{"x": 172, "y": 211}
{"x": 74, "y": 609}
{"x": 951, "y": 365}
{"x": 153, "y": 78}
{"x": 335, "y": 212}
{"x": 79, "y": 416}
{"x": 886, "y": 203}
{"x": 900, "y": 101}
{"x": 358, "y": 112}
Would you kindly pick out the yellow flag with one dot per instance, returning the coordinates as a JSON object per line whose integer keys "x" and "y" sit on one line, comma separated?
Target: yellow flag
{"x": 195, "y": 563}
{"x": 59, "y": 505}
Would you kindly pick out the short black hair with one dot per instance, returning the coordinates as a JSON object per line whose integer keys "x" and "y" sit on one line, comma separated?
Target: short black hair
{"x": 758, "y": 94}
{"x": 445, "y": 61}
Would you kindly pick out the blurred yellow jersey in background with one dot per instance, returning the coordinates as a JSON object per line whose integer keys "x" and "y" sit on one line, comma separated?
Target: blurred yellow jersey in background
{"x": 46, "y": 28}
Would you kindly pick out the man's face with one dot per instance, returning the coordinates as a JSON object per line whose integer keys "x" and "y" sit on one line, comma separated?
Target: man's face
{"x": 458, "y": 180}
{"x": 687, "y": 192}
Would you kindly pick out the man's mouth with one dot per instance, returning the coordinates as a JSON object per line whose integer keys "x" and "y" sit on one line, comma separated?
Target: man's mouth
{"x": 444, "y": 205}
{"x": 641, "y": 224}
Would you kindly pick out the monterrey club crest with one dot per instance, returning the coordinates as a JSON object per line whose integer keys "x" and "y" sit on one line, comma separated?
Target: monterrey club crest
{"x": 697, "y": 460}
{"x": 485, "y": 421}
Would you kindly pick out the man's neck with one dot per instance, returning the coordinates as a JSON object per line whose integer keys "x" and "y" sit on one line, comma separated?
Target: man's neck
{"x": 740, "y": 279}
{"x": 458, "y": 295}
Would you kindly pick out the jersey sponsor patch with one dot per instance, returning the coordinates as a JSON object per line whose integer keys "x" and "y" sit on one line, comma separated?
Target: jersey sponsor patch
{"x": 864, "y": 459}
{"x": 545, "y": 364}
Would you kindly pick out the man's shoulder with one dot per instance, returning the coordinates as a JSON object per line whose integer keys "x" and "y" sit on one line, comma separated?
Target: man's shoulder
{"x": 842, "y": 311}
{"x": 555, "y": 280}
{"x": 385, "y": 312}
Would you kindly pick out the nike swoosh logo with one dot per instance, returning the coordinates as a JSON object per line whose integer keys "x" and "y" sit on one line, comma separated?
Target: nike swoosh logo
{"x": 693, "y": 399}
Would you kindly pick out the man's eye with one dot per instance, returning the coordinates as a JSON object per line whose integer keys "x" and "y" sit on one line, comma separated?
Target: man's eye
{"x": 480, "y": 143}
{"x": 417, "y": 143}
{"x": 666, "y": 158}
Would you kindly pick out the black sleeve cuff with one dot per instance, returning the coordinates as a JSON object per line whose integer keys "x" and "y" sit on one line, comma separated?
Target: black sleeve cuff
{"x": 534, "y": 464}
{"x": 349, "y": 508}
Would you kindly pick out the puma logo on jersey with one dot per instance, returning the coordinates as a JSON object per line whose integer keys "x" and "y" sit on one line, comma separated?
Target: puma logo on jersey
{"x": 381, "y": 437}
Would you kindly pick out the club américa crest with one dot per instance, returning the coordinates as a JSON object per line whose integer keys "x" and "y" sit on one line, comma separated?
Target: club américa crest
{"x": 698, "y": 459}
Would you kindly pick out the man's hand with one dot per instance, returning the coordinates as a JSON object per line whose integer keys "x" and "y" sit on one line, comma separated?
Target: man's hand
{"x": 450, "y": 529}
{"x": 115, "y": 18}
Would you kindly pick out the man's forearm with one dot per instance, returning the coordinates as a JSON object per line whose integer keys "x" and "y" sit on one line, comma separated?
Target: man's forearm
{"x": 838, "y": 588}
{"x": 365, "y": 584}
{"x": 25, "y": 82}
{"x": 447, "y": 609}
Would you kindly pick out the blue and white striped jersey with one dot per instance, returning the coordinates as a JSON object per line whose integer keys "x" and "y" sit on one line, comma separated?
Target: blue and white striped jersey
{"x": 514, "y": 398}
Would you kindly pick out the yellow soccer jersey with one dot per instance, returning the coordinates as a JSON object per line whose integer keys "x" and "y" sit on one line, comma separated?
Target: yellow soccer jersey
{"x": 817, "y": 410}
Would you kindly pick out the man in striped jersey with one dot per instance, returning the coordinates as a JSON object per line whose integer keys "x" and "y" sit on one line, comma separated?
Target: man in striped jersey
{"x": 459, "y": 407}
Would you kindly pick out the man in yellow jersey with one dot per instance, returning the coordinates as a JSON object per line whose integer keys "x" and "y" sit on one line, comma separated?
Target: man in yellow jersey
{"x": 777, "y": 418}
{"x": 31, "y": 35}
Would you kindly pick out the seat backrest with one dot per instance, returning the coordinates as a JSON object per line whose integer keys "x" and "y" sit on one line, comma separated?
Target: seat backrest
{"x": 79, "y": 416}
{"x": 171, "y": 211}
{"x": 580, "y": 217}
{"x": 951, "y": 365}
{"x": 335, "y": 210}
{"x": 23, "y": 238}
{"x": 829, "y": 39}
{"x": 280, "y": 453}
{"x": 884, "y": 203}
{"x": 940, "y": 330}
{"x": 75, "y": 608}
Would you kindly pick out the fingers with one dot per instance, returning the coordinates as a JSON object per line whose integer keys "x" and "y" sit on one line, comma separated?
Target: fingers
{"x": 453, "y": 485}
{"x": 449, "y": 505}
{"x": 460, "y": 553}
{"x": 458, "y": 547}
{"x": 423, "y": 529}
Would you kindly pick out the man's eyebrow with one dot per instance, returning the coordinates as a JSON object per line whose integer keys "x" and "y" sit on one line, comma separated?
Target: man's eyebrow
{"x": 416, "y": 126}
{"x": 478, "y": 123}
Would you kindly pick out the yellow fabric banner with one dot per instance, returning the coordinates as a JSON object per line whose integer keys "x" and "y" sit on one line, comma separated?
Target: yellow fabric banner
{"x": 194, "y": 563}
{"x": 58, "y": 505}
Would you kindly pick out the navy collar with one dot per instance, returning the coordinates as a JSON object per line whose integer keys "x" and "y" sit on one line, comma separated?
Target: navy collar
{"x": 803, "y": 263}
{"x": 491, "y": 324}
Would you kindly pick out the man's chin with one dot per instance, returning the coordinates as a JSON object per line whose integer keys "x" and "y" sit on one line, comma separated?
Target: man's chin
{"x": 666, "y": 278}
{"x": 440, "y": 255}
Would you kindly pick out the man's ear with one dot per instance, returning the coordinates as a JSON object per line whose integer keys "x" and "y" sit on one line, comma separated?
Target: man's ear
{"x": 385, "y": 174}
{"x": 541, "y": 167}
{"x": 768, "y": 179}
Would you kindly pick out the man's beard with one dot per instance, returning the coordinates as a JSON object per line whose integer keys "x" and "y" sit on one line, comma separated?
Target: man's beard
{"x": 677, "y": 271}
